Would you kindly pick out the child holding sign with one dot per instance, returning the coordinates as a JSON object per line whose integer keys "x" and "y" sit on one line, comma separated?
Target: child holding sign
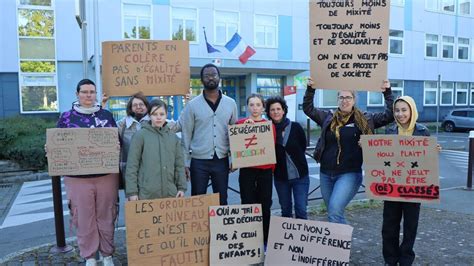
{"x": 256, "y": 182}
{"x": 406, "y": 114}
{"x": 155, "y": 164}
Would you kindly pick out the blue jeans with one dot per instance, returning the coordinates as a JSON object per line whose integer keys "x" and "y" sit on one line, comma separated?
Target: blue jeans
{"x": 300, "y": 188}
{"x": 215, "y": 169}
{"x": 338, "y": 191}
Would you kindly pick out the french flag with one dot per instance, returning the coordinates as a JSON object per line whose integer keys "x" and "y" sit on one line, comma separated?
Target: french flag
{"x": 239, "y": 48}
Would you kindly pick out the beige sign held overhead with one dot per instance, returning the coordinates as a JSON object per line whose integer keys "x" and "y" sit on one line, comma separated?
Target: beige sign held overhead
{"x": 236, "y": 234}
{"x": 349, "y": 44}
{"x": 82, "y": 151}
{"x": 172, "y": 231}
{"x": 252, "y": 144}
{"x": 156, "y": 68}
{"x": 401, "y": 168}
{"x": 305, "y": 242}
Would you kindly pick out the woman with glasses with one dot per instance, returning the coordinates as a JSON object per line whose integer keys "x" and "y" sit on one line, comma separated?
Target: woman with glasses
{"x": 92, "y": 198}
{"x": 338, "y": 150}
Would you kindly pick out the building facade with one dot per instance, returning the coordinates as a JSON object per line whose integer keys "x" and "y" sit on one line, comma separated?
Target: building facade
{"x": 431, "y": 50}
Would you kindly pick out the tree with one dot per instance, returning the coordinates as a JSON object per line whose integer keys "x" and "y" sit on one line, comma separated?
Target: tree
{"x": 178, "y": 35}
{"x": 36, "y": 23}
{"x": 37, "y": 66}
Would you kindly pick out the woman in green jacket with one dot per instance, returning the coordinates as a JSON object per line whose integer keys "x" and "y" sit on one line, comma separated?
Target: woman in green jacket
{"x": 155, "y": 163}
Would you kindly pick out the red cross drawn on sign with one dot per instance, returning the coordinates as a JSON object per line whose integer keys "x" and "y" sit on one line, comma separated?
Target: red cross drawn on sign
{"x": 250, "y": 141}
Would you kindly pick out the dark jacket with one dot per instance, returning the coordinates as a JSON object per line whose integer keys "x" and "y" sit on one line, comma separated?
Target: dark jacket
{"x": 420, "y": 130}
{"x": 323, "y": 118}
{"x": 295, "y": 148}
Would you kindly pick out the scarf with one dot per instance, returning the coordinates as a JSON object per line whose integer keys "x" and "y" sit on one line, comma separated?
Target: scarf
{"x": 85, "y": 110}
{"x": 280, "y": 127}
{"x": 340, "y": 119}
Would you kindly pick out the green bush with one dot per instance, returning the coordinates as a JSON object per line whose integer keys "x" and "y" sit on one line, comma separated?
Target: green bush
{"x": 22, "y": 140}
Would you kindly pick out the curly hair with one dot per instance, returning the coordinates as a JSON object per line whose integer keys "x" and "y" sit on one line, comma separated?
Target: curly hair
{"x": 276, "y": 99}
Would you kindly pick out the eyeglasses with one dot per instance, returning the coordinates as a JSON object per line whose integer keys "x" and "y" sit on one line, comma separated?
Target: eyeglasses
{"x": 137, "y": 105}
{"x": 88, "y": 92}
{"x": 345, "y": 98}
{"x": 208, "y": 76}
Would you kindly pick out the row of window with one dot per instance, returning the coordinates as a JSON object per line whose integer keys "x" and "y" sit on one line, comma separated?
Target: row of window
{"x": 137, "y": 23}
{"x": 436, "y": 46}
{"x": 460, "y": 7}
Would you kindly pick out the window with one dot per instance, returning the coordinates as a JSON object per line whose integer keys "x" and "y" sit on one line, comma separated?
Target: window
{"x": 266, "y": 31}
{"x": 464, "y": 7}
{"x": 432, "y": 5}
{"x": 184, "y": 24}
{"x": 398, "y": 2}
{"x": 226, "y": 24}
{"x": 329, "y": 98}
{"x": 448, "y": 5}
{"x": 461, "y": 93}
{"x": 448, "y": 47}
{"x": 447, "y": 89}
{"x": 472, "y": 94}
{"x": 136, "y": 21}
{"x": 459, "y": 113}
{"x": 430, "y": 95}
{"x": 396, "y": 42}
{"x": 397, "y": 88}
{"x": 374, "y": 98}
{"x": 463, "y": 49}
{"x": 37, "y": 61}
{"x": 270, "y": 86}
{"x": 431, "y": 46}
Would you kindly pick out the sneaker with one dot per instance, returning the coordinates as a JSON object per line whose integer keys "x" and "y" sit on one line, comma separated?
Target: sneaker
{"x": 91, "y": 262}
{"x": 108, "y": 261}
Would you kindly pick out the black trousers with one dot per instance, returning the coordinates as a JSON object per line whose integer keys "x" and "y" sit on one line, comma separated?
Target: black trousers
{"x": 393, "y": 211}
{"x": 256, "y": 186}
{"x": 215, "y": 169}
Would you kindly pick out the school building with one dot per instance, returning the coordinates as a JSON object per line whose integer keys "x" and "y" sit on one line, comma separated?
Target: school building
{"x": 41, "y": 50}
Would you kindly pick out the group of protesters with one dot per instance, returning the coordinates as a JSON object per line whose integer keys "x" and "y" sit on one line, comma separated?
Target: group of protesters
{"x": 156, "y": 163}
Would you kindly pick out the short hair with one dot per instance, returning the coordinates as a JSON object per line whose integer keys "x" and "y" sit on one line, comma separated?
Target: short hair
{"x": 276, "y": 99}
{"x": 256, "y": 95}
{"x": 353, "y": 92}
{"x": 140, "y": 96}
{"x": 158, "y": 104}
{"x": 84, "y": 82}
{"x": 209, "y": 66}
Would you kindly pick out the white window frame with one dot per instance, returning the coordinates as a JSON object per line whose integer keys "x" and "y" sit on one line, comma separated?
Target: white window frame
{"x": 399, "y": 88}
{"x": 275, "y": 26}
{"x": 432, "y": 42}
{"x": 436, "y": 9}
{"x": 369, "y": 104}
{"x": 468, "y": 46}
{"x": 447, "y": 12}
{"x": 398, "y": 2}
{"x": 470, "y": 8}
{"x": 401, "y": 39}
{"x": 137, "y": 18}
{"x": 321, "y": 99}
{"x": 22, "y": 75}
{"x": 452, "y": 44}
{"x": 228, "y": 35}
{"x": 425, "y": 90}
{"x": 446, "y": 90}
{"x": 183, "y": 19}
{"x": 471, "y": 94}
{"x": 466, "y": 90}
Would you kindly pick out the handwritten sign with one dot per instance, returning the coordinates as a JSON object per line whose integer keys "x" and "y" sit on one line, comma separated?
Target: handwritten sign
{"x": 401, "y": 168}
{"x": 236, "y": 234}
{"x": 173, "y": 231}
{"x": 82, "y": 151}
{"x": 349, "y": 43}
{"x": 153, "y": 67}
{"x": 305, "y": 242}
{"x": 252, "y": 144}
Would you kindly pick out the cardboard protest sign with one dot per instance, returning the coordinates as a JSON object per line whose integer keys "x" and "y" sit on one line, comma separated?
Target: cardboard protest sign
{"x": 401, "y": 168}
{"x": 252, "y": 144}
{"x": 157, "y": 68}
{"x": 172, "y": 231}
{"x": 349, "y": 44}
{"x": 236, "y": 234}
{"x": 305, "y": 242}
{"x": 82, "y": 151}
